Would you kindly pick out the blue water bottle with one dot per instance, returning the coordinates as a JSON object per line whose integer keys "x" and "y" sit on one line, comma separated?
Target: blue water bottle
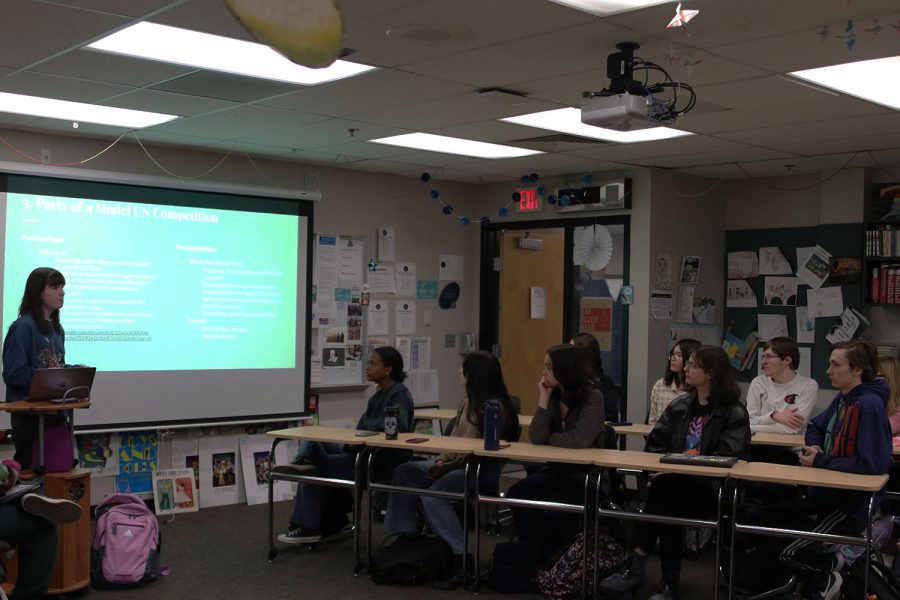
{"x": 492, "y": 425}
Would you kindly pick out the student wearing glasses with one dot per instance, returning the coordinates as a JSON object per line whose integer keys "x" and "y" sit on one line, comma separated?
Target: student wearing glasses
{"x": 709, "y": 419}
{"x": 781, "y": 400}
{"x": 672, "y": 384}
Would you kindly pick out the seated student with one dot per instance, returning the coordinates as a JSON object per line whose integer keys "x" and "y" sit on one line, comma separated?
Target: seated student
{"x": 852, "y": 435}
{"x": 671, "y": 385}
{"x": 710, "y": 419}
{"x": 483, "y": 379}
{"x": 889, "y": 369}
{"x": 385, "y": 368}
{"x": 30, "y": 524}
{"x": 569, "y": 414}
{"x": 781, "y": 400}
{"x": 589, "y": 344}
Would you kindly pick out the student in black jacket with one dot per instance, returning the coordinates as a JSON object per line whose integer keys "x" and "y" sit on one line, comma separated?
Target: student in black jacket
{"x": 709, "y": 420}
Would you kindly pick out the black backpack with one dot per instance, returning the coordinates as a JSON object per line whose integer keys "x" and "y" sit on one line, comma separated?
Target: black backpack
{"x": 883, "y": 584}
{"x": 411, "y": 559}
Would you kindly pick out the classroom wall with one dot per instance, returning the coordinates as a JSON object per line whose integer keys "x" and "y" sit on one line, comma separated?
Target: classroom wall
{"x": 353, "y": 203}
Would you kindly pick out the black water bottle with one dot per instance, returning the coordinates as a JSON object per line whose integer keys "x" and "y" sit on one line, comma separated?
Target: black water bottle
{"x": 492, "y": 425}
{"x": 391, "y": 416}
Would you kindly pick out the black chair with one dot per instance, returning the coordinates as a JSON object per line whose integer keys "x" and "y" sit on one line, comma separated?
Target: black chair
{"x": 5, "y": 550}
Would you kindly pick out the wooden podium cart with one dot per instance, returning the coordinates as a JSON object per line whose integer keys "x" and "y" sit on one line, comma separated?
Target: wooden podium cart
{"x": 73, "y": 554}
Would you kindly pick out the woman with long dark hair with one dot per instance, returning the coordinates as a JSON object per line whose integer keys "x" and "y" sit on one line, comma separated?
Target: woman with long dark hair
{"x": 35, "y": 340}
{"x": 385, "y": 369}
{"x": 591, "y": 347}
{"x": 672, "y": 384}
{"x": 483, "y": 379}
{"x": 569, "y": 414}
{"x": 709, "y": 419}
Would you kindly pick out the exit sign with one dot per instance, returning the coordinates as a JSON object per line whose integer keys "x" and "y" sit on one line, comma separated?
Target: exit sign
{"x": 529, "y": 201}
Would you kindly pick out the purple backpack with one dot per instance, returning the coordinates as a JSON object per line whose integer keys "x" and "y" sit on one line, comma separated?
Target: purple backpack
{"x": 126, "y": 546}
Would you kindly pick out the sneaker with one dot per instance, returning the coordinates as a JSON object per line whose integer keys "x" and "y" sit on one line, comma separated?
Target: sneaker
{"x": 829, "y": 588}
{"x": 54, "y": 510}
{"x": 300, "y": 536}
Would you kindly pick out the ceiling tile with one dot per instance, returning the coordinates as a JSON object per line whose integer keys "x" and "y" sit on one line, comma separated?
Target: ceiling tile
{"x": 168, "y": 103}
{"x": 53, "y": 29}
{"x": 373, "y": 91}
{"x": 131, "y": 8}
{"x": 819, "y": 130}
{"x": 110, "y": 68}
{"x": 60, "y": 88}
{"x": 247, "y": 122}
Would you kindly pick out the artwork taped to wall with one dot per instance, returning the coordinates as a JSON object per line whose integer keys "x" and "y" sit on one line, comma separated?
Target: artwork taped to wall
{"x": 256, "y": 468}
{"x": 221, "y": 480}
{"x": 174, "y": 491}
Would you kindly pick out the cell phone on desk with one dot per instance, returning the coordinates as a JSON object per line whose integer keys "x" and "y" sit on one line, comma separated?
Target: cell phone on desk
{"x": 416, "y": 440}
{"x": 366, "y": 433}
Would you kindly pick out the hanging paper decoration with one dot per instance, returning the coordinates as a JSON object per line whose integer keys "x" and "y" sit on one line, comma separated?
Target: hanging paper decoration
{"x": 681, "y": 18}
{"x": 874, "y": 30}
{"x": 593, "y": 247}
{"x": 503, "y": 211}
{"x": 307, "y": 32}
{"x": 373, "y": 264}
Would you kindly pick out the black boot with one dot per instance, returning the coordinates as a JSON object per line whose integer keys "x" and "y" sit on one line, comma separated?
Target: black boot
{"x": 668, "y": 588}
{"x": 629, "y": 579}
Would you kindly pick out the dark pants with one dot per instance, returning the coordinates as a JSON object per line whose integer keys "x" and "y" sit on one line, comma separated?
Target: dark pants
{"x": 36, "y": 541}
{"x": 25, "y": 432}
{"x": 549, "y": 528}
{"x": 809, "y": 558}
{"x": 673, "y": 496}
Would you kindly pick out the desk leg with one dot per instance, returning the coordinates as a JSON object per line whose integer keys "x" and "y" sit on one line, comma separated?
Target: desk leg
{"x": 465, "y": 525}
{"x": 868, "y": 544}
{"x": 718, "y": 539}
{"x": 41, "y": 462}
{"x": 357, "y": 511}
{"x": 584, "y": 533}
{"x": 369, "y": 471}
{"x": 477, "y": 583}
{"x": 737, "y": 486}
{"x": 272, "y": 550}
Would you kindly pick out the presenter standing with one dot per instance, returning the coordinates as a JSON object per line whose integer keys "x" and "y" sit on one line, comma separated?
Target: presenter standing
{"x": 35, "y": 340}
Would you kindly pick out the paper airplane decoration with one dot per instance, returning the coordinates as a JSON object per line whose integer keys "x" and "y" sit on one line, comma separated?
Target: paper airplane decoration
{"x": 682, "y": 17}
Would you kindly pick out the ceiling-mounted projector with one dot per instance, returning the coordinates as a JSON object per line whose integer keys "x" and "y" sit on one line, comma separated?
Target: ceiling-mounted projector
{"x": 621, "y": 112}
{"x": 628, "y": 104}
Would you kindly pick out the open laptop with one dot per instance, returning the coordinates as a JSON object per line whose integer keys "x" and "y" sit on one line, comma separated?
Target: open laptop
{"x": 67, "y": 384}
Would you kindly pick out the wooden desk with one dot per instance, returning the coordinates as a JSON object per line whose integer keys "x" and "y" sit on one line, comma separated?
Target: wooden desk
{"x": 446, "y": 414}
{"x": 787, "y": 440}
{"x": 317, "y": 433}
{"x": 436, "y": 444}
{"x": 648, "y": 461}
{"x": 523, "y": 451}
{"x": 635, "y": 429}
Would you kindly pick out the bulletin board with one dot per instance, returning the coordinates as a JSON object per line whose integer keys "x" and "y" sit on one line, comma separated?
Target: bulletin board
{"x": 338, "y": 315}
{"x": 839, "y": 240}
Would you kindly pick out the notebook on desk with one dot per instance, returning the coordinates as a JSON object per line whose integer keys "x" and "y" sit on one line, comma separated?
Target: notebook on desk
{"x": 703, "y": 460}
{"x": 20, "y": 489}
{"x": 67, "y": 384}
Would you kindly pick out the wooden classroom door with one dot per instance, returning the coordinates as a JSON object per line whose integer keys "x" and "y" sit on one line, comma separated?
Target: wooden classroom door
{"x": 524, "y": 340}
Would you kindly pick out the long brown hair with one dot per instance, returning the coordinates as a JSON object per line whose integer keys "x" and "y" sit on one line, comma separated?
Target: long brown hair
{"x": 31, "y": 299}
{"x": 889, "y": 368}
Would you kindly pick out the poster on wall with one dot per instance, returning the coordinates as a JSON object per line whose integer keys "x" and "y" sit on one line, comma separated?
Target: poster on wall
{"x": 99, "y": 452}
{"x": 174, "y": 491}
{"x": 220, "y": 473}
{"x": 662, "y": 272}
{"x": 595, "y": 317}
{"x": 137, "y": 461}
{"x": 256, "y": 467}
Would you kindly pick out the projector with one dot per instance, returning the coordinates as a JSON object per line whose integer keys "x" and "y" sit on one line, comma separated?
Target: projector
{"x": 621, "y": 112}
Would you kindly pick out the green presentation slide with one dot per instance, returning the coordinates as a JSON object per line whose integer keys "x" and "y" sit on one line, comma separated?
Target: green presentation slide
{"x": 157, "y": 287}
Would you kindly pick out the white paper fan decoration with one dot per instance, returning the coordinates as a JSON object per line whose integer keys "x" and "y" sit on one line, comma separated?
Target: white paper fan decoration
{"x": 593, "y": 247}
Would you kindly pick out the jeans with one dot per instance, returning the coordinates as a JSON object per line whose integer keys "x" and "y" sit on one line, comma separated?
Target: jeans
{"x": 331, "y": 461}
{"x": 36, "y": 540}
{"x": 402, "y": 509}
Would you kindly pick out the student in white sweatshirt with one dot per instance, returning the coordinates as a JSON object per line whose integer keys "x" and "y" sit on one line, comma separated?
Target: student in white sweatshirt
{"x": 780, "y": 400}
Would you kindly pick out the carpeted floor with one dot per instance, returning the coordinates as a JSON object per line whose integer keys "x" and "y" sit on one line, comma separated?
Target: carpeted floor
{"x": 222, "y": 553}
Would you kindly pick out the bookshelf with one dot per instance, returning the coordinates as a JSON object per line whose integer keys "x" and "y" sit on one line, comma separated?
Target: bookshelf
{"x": 881, "y": 250}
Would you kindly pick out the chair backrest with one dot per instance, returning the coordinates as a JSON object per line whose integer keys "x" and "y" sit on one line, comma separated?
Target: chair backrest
{"x": 517, "y": 404}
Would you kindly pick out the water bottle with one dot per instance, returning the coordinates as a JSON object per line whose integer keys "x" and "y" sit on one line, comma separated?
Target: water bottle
{"x": 391, "y": 415}
{"x": 492, "y": 425}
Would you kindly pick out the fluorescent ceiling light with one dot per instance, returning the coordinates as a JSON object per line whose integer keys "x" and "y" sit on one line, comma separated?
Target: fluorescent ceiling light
{"x": 568, "y": 120}
{"x": 217, "y": 53}
{"x": 452, "y": 145}
{"x": 80, "y": 112}
{"x": 873, "y": 80}
{"x": 604, "y": 8}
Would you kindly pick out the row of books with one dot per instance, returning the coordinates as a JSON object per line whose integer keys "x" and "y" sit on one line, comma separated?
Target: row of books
{"x": 889, "y": 351}
{"x": 885, "y": 284}
{"x": 883, "y": 240}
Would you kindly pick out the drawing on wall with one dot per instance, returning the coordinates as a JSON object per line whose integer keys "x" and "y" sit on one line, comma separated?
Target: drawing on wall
{"x": 781, "y": 291}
